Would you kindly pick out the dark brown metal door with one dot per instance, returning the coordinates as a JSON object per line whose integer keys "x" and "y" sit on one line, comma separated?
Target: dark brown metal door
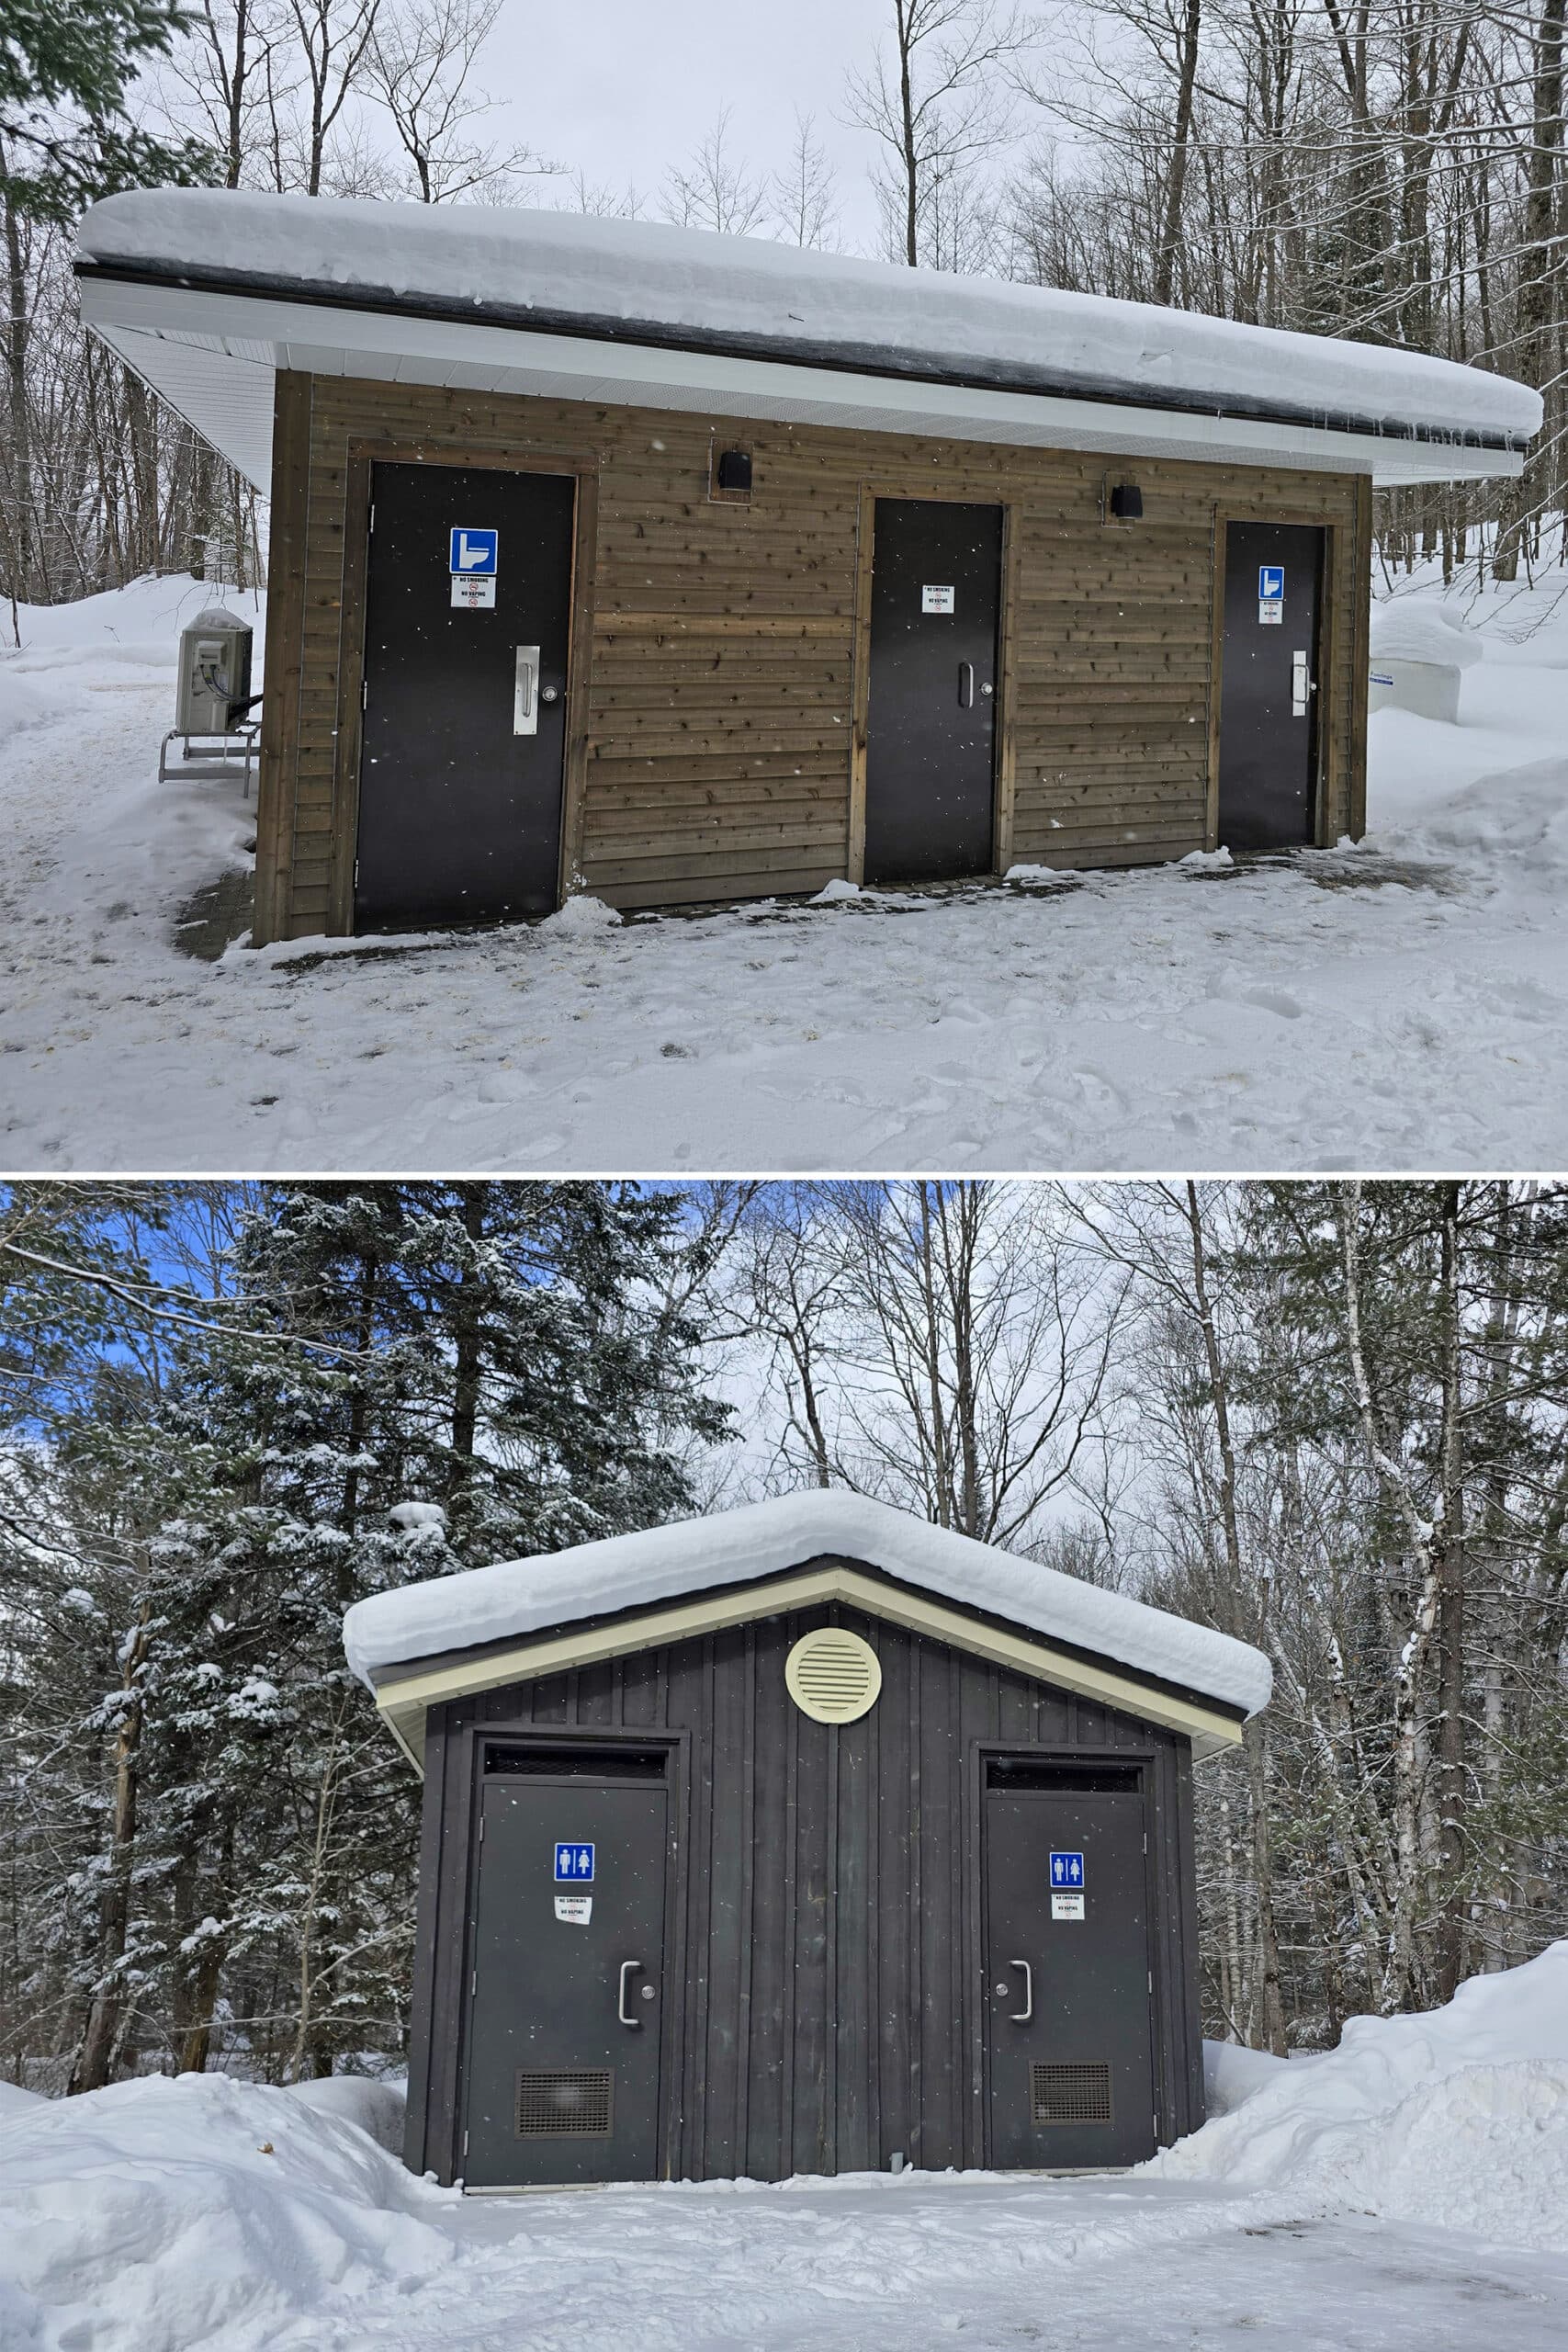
{"x": 1067, "y": 1999}
{"x": 1268, "y": 685}
{"x": 932, "y": 717}
{"x": 463, "y": 737}
{"x": 567, "y": 1991}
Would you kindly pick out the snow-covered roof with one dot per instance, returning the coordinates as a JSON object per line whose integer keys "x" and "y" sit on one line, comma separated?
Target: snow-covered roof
{"x": 391, "y": 1632}
{"x": 295, "y": 281}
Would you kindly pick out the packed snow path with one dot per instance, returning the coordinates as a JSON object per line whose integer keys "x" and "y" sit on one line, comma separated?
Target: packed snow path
{"x": 1403, "y": 1006}
{"x": 1098, "y": 2265}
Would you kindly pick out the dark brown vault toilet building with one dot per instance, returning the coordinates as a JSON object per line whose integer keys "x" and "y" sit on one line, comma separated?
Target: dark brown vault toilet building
{"x": 808, "y": 1838}
{"x": 674, "y": 568}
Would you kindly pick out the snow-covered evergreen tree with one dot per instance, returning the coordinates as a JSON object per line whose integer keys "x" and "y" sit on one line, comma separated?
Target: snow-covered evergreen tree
{"x": 396, "y": 1381}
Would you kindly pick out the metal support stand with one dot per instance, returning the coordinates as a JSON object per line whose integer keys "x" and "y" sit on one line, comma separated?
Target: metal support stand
{"x": 213, "y": 759}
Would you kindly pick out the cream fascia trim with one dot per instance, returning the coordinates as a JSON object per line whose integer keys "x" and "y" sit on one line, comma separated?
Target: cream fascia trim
{"x": 403, "y": 1701}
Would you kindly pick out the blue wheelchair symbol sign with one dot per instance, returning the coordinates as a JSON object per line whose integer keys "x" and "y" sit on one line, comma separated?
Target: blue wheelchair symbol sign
{"x": 574, "y": 1862}
{"x": 474, "y": 554}
{"x": 1270, "y": 582}
{"x": 1067, "y": 1870}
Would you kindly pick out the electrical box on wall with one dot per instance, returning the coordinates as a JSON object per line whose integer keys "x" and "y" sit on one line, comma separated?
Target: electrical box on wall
{"x": 730, "y": 476}
{"x": 1119, "y": 502}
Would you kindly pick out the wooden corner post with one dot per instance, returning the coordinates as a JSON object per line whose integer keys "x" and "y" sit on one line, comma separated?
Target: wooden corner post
{"x": 284, "y": 659}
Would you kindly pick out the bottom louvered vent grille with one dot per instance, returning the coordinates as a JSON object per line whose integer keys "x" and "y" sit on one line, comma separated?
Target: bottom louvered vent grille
{"x": 1075, "y": 2094}
{"x": 576, "y": 2102}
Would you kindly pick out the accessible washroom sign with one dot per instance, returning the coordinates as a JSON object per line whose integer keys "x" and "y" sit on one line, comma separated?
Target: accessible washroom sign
{"x": 473, "y": 561}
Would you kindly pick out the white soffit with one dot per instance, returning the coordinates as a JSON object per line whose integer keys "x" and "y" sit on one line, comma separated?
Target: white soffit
{"x": 211, "y": 355}
{"x": 226, "y": 398}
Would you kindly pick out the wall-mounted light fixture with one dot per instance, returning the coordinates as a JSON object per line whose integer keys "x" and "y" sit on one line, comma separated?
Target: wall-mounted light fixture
{"x": 1127, "y": 502}
{"x": 735, "y": 470}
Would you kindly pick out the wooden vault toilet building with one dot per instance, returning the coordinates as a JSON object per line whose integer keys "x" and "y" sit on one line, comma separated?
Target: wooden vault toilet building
{"x": 802, "y": 1838}
{"x": 675, "y": 568}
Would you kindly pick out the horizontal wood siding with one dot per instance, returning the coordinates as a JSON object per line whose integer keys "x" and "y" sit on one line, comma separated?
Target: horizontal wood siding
{"x": 829, "y": 1995}
{"x": 715, "y": 745}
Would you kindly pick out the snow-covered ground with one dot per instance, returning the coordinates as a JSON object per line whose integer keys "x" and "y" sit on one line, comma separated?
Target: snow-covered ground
{"x": 1409, "y": 2190}
{"x": 1405, "y": 1004}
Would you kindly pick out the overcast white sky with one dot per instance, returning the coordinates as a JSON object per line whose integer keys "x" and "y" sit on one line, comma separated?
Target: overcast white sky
{"x": 624, "y": 87}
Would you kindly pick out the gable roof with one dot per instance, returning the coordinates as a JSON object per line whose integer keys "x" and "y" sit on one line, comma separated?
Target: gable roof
{"x": 429, "y": 1642}
{"x": 196, "y": 287}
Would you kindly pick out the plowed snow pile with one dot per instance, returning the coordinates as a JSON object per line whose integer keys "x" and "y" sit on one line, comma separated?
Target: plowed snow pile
{"x": 158, "y": 2212}
{"x": 1457, "y": 2118}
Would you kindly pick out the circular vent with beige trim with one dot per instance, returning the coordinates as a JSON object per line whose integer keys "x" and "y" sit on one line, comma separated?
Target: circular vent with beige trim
{"x": 833, "y": 1676}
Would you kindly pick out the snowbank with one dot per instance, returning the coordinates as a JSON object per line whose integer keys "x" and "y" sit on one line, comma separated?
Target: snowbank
{"x": 764, "y": 1539}
{"x": 738, "y": 290}
{"x": 15, "y": 2102}
{"x": 147, "y": 2217}
{"x": 1457, "y": 2118}
{"x": 376, "y": 2107}
{"x": 139, "y": 624}
{"x": 1232, "y": 2075}
{"x": 1511, "y": 830}
{"x": 25, "y": 702}
{"x": 1424, "y": 632}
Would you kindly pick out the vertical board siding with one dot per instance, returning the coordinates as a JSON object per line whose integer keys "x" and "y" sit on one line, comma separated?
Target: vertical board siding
{"x": 719, "y": 699}
{"x": 824, "y": 1964}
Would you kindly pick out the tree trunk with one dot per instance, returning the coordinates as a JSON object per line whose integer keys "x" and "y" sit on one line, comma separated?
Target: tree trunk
{"x": 466, "y": 1344}
{"x": 1452, "y": 1777}
{"x": 1538, "y": 277}
{"x": 907, "y": 119}
{"x": 1170, "y": 232}
{"x": 17, "y": 316}
{"x": 1273, "y": 2015}
{"x": 94, "y": 2058}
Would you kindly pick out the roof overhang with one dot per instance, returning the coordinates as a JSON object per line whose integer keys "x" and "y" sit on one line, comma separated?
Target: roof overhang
{"x": 404, "y": 1694}
{"x": 211, "y": 351}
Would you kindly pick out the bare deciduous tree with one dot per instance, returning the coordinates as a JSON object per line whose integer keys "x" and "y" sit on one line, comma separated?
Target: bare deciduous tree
{"x": 421, "y": 62}
{"x": 715, "y": 190}
{"x": 334, "y": 38}
{"x": 942, "y": 1345}
{"x": 935, "y": 103}
{"x": 804, "y": 197}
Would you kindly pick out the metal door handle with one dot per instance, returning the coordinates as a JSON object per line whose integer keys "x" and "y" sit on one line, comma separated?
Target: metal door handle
{"x": 966, "y": 685}
{"x": 1021, "y": 2017}
{"x": 628, "y": 1968}
{"x": 525, "y": 694}
{"x": 1303, "y": 684}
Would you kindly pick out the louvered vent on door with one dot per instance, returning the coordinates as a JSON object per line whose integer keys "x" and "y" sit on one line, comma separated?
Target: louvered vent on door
{"x": 833, "y": 1676}
{"x": 1072, "y": 2094}
{"x": 576, "y": 2100}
